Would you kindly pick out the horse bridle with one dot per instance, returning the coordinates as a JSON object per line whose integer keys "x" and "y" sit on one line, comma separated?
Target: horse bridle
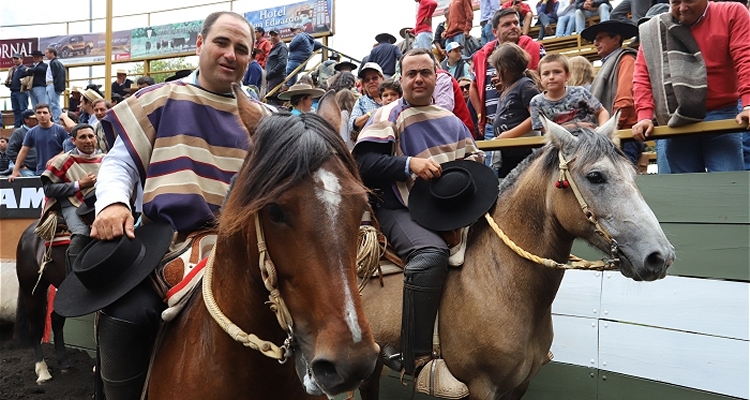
{"x": 564, "y": 181}
{"x": 277, "y": 305}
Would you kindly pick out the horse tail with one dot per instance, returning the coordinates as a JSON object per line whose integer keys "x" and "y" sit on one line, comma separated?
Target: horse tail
{"x": 31, "y": 307}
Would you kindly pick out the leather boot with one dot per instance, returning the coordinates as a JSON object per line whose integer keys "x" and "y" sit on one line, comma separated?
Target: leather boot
{"x": 125, "y": 353}
{"x": 424, "y": 277}
{"x": 77, "y": 243}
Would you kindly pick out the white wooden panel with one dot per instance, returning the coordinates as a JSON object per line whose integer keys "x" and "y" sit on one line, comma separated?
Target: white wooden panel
{"x": 713, "y": 307}
{"x": 579, "y": 294}
{"x": 703, "y": 362}
{"x": 575, "y": 340}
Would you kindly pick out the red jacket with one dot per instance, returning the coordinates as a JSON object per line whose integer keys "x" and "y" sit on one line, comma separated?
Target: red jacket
{"x": 265, "y": 47}
{"x": 460, "y": 18}
{"x": 480, "y": 64}
{"x": 424, "y": 16}
{"x": 460, "y": 109}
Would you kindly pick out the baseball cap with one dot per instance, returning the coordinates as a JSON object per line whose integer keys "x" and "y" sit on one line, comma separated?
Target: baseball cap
{"x": 452, "y": 46}
{"x": 27, "y": 114}
{"x": 372, "y": 66}
{"x": 16, "y": 55}
{"x": 260, "y": 29}
{"x": 273, "y": 31}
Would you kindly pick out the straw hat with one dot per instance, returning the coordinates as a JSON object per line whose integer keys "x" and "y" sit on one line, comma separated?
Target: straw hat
{"x": 91, "y": 95}
{"x": 122, "y": 71}
{"x": 301, "y": 89}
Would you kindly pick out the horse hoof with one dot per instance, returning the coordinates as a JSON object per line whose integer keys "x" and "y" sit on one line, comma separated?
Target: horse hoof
{"x": 42, "y": 372}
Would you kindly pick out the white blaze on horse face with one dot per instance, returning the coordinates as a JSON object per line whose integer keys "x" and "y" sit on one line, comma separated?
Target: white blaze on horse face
{"x": 330, "y": 196}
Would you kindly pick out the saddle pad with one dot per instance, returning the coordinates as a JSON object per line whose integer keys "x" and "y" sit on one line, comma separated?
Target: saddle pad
{"x": 177, "y": 296}
{"x": 61, "y": 239}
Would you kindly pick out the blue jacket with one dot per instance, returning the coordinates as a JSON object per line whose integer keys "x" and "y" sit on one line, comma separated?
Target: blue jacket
{"x": 253, "y": 75}
{"x": 302, "y": 46}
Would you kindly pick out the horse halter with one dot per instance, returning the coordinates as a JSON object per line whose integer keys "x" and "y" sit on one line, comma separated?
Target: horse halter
{"x": 277, "y": 305}
{"x": 565, "y": 181}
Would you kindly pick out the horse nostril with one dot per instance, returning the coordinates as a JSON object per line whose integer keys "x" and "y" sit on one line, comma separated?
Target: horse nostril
{"x": 326, "y": 374}
{"x": 656, "y": 262}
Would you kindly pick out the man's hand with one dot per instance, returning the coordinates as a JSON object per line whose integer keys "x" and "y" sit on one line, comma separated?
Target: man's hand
{"x": 114, "y": 221}
{"x": 424, "y": 168}
{"x": 643, "y": 129}
{"x": 743, "y": 116}
{"x": 87, "y": 181}
{"x": 12, "y": 177}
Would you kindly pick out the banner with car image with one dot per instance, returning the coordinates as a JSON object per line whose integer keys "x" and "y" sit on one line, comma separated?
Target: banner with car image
{"x": 87, "y": 47}
{"x": 165, "y": 39}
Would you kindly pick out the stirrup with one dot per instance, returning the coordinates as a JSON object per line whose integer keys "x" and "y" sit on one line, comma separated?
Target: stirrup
{"x": 436, "y": 380}
{"x": 458, "y": 251}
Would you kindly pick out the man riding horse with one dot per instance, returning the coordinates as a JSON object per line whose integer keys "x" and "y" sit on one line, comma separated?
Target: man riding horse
{"x": 180, "y": 143}
{"x": 68, "y": 180}
{"x": 406, "y": 140}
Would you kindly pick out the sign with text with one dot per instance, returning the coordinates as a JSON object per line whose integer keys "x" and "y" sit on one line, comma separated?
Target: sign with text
{"x": 21, "y": 199}
{"x": 316, "y": 16}
{"x": 23, "y": 46}
{"x": 165, "y": 39}
{"x": 87, "y": 47}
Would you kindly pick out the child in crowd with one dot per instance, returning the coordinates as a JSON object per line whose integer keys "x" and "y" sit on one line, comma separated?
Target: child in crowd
{"x": 390, "y": 91}
{"x": 560, "y": 103}
{"x": 513, "y": 118}
{"x": 581, "y": 72}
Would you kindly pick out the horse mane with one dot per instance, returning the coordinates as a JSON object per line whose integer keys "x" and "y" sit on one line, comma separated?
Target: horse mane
{"x": 589, "y": 148}
{"x": 286, "y": 150}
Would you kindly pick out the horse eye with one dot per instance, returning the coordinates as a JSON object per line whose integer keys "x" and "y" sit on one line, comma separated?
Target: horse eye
{"x": 596, "y": 177}
{"x": 276, "y": 213}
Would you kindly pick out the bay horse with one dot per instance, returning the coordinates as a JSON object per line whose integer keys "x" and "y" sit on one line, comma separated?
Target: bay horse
{"x": 299, "y": 189}
{"x": 495, "y": 321}
{"x": 31, "y": 312}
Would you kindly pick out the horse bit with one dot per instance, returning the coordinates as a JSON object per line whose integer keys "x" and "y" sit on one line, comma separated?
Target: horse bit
{"x": 564, "y": 181}
{"x": 277, "y": 305}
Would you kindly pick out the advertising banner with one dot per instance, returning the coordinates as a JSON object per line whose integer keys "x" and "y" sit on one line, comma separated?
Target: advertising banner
{"x": 22, "y": 198}
{"x": 87, "y": 47}
{"x": 316, "y": 16}
{"x": 165, "y": 39}
{"x": 22, "y": 46}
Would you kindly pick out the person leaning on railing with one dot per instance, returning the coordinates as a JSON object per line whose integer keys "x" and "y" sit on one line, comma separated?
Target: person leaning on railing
{"x": 704, "y": 87}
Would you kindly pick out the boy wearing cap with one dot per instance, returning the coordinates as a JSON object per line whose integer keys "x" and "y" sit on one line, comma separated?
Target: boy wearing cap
{"x": 19, "y": 97}
{"x": 263, "y": 45}
{"x": 454, "y": 63}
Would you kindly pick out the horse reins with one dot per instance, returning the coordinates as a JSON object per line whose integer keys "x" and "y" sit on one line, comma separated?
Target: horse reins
{"x": 277, "y": 305}
{"x": 564, "y": 181}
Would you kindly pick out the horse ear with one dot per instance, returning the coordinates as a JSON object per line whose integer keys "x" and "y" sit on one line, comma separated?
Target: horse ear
{"x": 557, "y": 135}
{"x": 610, "y": 128}
{"x": 250, "y": 114}
{"x": 329, "y": 109}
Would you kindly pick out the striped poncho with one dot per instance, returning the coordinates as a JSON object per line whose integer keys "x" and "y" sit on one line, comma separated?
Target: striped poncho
{"x": 186, "y": 143}
{"x": 71, "y": 167}
{"x": 430, "y": 132}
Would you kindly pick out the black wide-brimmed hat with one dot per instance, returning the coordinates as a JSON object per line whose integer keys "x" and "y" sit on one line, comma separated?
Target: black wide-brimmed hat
{"x": 348, "y": 64}
{"x": 385, "y": 37}
{"x": 626, "y": 29}
{"x": 463, "y": 193}
{"x": 87, "y": 207}
{"x": 179, "y": 75}
{"x": 106, "y": 270}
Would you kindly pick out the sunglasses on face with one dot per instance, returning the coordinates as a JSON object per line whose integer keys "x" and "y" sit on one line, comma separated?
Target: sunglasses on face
{"x": 465, "y": 87}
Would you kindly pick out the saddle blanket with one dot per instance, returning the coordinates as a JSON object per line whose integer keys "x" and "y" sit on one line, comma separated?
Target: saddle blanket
{"x": 177, "y": 296}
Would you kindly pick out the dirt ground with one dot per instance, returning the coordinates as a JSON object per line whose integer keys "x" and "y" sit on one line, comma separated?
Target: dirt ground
{"x": 18, "y": 381}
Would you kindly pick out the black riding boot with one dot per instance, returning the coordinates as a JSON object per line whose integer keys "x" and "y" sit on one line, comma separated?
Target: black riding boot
{"x": 424, "y": 277}
{"x": 125, "y": 351}
{"x": 77, "y": 243}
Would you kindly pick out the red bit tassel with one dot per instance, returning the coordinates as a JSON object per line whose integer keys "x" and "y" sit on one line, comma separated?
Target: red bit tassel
{"x": 562, "y": 184}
